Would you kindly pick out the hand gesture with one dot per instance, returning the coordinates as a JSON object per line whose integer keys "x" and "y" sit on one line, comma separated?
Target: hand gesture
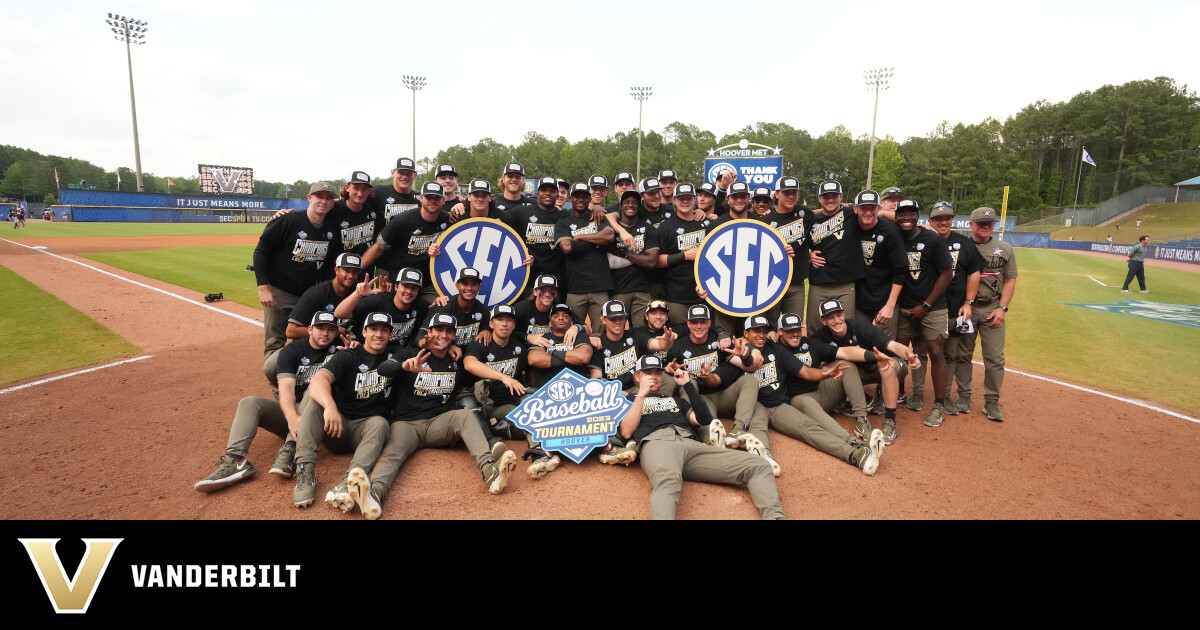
{"x": 413, "y": 364}
{"x": 835, "y": 371}
{"x": 682, "y": 377}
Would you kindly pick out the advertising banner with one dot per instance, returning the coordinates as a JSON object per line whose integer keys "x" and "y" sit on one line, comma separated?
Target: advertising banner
{"x": 755, "y": 164}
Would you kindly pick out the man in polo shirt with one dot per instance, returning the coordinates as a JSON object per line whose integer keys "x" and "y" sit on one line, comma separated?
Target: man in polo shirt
{"x": 406, "y": 241}
{"x": 397, "y": 197}
{"x": 582, "y": 242}
{"x": 835, "y": 254}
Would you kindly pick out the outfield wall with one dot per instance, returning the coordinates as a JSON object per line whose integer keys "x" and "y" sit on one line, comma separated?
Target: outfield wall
{"x": 1159, "y": 252}
{"x": 111, "y": 206}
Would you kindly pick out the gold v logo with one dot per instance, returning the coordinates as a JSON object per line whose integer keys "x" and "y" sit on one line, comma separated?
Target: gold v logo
{"x": 75, "y": 596}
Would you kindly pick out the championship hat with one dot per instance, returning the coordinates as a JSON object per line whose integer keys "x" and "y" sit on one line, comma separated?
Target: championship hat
{"x": 406, "y": 164}
{"x": 446, "y": 169}
{"x": 787, "y": 183}
{"x": 790, "y": 321}
{"x": 408, "y": 275}
{"x": 323, "y": 317}
{"x": 942, "y": 209}
{"x": 562, "y": 183}
{"x": 867, "y": 198}
{"x": 621, "y": 177}
{"x": 359, "y": 177}
{"x": 598, "y": 181}
{"x": 348, "y": 261}
{"x": 480, "y": 185}
{"x": 547, "y": 181}
{"x": 756, "y": 321}
{"x": 685, "y": 190}
{"x": 657, "y": 305}
{"x": 698, "y": 311}
{"x": 631, "y": 193}
{"x": 707, "y": 187}
{"x": 377, "y": 319}
{"x": 513, "y": 167}
{"x": 322, "y": 187}
{"x": 983, "y": 215}
{"x": 443, "y": 319}
{"x": 830, "y": 187}
{"x": 503, "y": 310}
{"x": 433, "y": 189}
{"x": 468, "y": 273}
{"x": 648, "y": 184}
{"x": 737, "y": 188}
{"x": 908, "y": 205}
{"x": 667, "y": 174}
{"x": 545, "y": 280}
{"x": 649, "y": 362}
{"x": 761, "y": 191}
{"x": 614, "y": 308}
{"x": 581, "y": 187}
{"x": 829, "y": 306}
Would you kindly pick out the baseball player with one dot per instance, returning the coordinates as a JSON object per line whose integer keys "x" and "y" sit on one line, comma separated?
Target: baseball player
{"x": 404, "y": 305}
{"x": 536, "y": 224}
{"x": 662, "y": 427}
{"x": 886, "y": 264}
{"x": 288, "y": 260}
{"x": 357, "y": 222}
{"x": 630, "y": 265}
{"x": 582, "y": 241}
{"x": 546, "y": 361}
{"x": 512, "y": 189}
{"x": 679, "y": 239}
{"x": 468, "y": 312}
{"x": 298, "y": 362}
{"x": 621, "y": 183}
{"x": 653, "y": 208}
{"x": 760, "y": 202}
{"x": 668, "y": 180}
{"x": 325, "y": 296}
{"x": 533, "y": 314}
{"x": 835, "y": 254}
{"x": 397, "y": 198}
{"x": 448, "y": 178}
{"x": 997, "y": 284}
{"x": 479, "y": 204}
{"x": 619, "y": 349}
{"x": 888, "y": 199}
{"x": 791, "y": 220}
{"x": 406, "y": 241}
{"x": 706, "y": 200}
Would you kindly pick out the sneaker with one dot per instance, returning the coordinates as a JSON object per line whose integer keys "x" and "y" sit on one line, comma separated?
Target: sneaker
{"x": 495, "y": 473}
{"x": 963, "y": 404}
{"x": 285, "y": 461}
{"x": 937, "y": 416}
{"x": 992, "y": 410}
{"x": 862, "y": 427}
{"x": 915, "y": 402}
{"x": 876, "y": 405}
{"x": 228, "y": 472}
{"x": 889, "y": 431}
{"x": 1126, "y": 291}
{"x": 716, "y": 434}
{"x": 306, "y": 485}
{"x": 754, "y": 446}
{"x": 844, "y": 408}
{"x": 340, "y": 497}
{"x": 901, "y": 399}
{"x": 363, "y": 494}
{"x": 951, "y": 408}
{"x": 867, "y": 456}
{"x": 498, "y": 448}
{"x": 614, "y": 455}
{"x": 542, "y": 466}
{"x": 736, "y": 438}
{"x": 1144, "y": 291}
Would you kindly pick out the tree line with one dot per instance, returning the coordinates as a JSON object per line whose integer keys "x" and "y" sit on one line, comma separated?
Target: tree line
{"x": 1144, "y": 132}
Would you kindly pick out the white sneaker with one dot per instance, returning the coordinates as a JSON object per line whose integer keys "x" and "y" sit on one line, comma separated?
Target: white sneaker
{"x": 716, "y": 434}
{"x": 1144, "y": 291}
{"x": 875, "y": 445}
{"x": 754, "y": 446}
{"x": 542, "y": 466}
{"x": 497, "y": 478}
{"x": 360, "y": 491}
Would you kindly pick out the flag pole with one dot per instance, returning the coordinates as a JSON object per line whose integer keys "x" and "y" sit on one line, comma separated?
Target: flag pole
{"x": 1078, "y": 178}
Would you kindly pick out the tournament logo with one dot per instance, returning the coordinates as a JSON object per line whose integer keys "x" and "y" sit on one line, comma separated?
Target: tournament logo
{"x": 744, "y": 267}
{"x": 1178, "y": 314}
{"x": 489, "y": 246}
{"x": 572, "y": 415}
{"x": 717, "y": 170}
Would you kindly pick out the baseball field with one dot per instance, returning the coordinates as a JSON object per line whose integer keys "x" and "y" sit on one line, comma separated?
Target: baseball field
{"x": 1098, "y": 397}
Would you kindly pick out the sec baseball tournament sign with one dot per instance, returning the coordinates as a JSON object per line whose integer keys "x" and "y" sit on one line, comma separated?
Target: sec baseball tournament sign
{"x": 744, "y": 267}
{"x": 755, "y": 164}
{"x": 572, "y": 415}
{"x": 489, "y": 246}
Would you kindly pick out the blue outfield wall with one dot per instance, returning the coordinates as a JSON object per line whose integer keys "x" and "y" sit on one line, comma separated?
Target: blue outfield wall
{"x": 1159, "y": 252}
{"x": 111, "y": 206}
{"x": 1027, "y": 239}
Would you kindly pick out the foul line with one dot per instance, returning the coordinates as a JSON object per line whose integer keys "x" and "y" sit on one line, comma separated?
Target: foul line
{"x": 1098, "y": 282}
{"x": 61, "y": 376}
{"x": 140, "y": 284}
{"x": 1100, "y": 393}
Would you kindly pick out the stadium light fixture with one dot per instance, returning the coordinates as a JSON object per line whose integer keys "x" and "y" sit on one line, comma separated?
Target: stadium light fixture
{"x": 131, "y": 31}
{"x": 414, "y": 83}
{"x": 877, "y": 79}
{"x": 639, "y": 94}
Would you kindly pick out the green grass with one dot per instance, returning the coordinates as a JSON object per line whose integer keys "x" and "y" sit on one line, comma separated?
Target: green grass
{"x": 204, "y": 269}
{"x": 1159, "y": 221}
{"x": 38, "y": 229}
{"x": 41, "y": 334}
{"x": 1116, "y": 353}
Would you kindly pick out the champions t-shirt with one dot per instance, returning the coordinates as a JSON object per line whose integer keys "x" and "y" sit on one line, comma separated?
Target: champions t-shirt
{"x": 409, "y": 237}
{"x": 587, "y": 264}
{"x": 319, "y": 298}
{"x": 537, "y": 227}
{"x": 676, "y": 236}
{"x": 811, "y": 353}
{"x": 778, "y": 364}
{"x": 541, "y": 376}
{"x": 617, "y": 359}
{"x": 356, "y": 230}
{"x": 423, "y": 395}
{"x": 359, "y": 390}
{"x": 299, "y": 360}
{"x": 392, "y": 203}
{"x": 627, "y": 277}
{"x": 660, "y": 411}
{"x": 405, "y": 322}
{"x": 470, "y": 321}
{"x": 696, "y": 355}
{"x": 509, "y": 360}
{"x": 967, "y": 261}
{"x": 292, "y": 251}
{"x": 793, "y": 229}
{"x": 835, "y": 238}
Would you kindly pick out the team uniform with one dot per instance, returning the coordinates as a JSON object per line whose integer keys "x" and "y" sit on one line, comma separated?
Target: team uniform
{"x": 408, "y": 238}
{"x": 885, "y": 264}
{"x": 927, "y": 256}
{"x": 588, "y": 275}
{"x": 836, "y": 239}
{"x": 321, "y": 297}
{"x": 391, "y": 203}
{"x": 617, "y": 359}
{"x": 356, "y": 230}
{"x": 676, "y": 237}
{"x": 289, "y": 259}
{"x": 405, "y": 322}
{"x": 470, "y": 321}
{"x": 866, "y": 336}
{"x": 539, "y": 377}
{"x": 537, "y": 227}
{"x": 631, "y": 283}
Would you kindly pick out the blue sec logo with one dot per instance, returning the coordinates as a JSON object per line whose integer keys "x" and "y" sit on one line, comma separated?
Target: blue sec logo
{"x": 572, "y": 415}
{"x": 719, "y": 169}
{"x": 489, "y": 246}
{"x": 744, "y": 267}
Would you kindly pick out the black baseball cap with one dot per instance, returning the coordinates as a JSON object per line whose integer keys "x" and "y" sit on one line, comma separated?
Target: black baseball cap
{"x": 698, "y": 311}
{"x": 359, "y": 177}
{"x": 667, "y": 173}
{"x": 737, "y": 188}
{"x": 648, "y": 184}
{"x": 761, "y": 191}
{"x": 649, "y": 362}
{"x": 614, "y": 308}
{"x": 561, "y": 307}
{"x": 547, "y": 181}
{"x": 377, "y": 319}
{"x": 623, "y": 177}
{"x": 685, "y": 190}
{"x": 787, "y": 183}
{"x": 348, "y": 261}
{"x": 545, "y": 280}
{"x": 323, "y": 317}
{"x": 446, "y": 169}
{"x": 867, "y": 198}
{"x": 830, "y": 186}
{"x": 503, "y": 310}
{"x": 443, "y": 319}
{"x": 513, "y": 167}
{"x": 408, "y": 275}
{"x": 707, "y": 187}
{"x": 829, "y": 306}
{"x": 908, "y": 205}
{"x": 469, "y": 273}
{"x": 598, "y": 180}
{"x": 632, "y": 192}
{"x": 790, "y": 321}
{"x": 480, "y": 185}
{"x": 581, "y": 187}
{"x": 433, "y": 189}
{"x": 406, "y": 164}
{"x": 756, "y": 321}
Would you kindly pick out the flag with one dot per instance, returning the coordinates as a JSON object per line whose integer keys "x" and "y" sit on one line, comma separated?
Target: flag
{"x": 171, "y": 183}
{"x": 287, "y": 188}
{"x": 1087, "y": 158}
{"x": 56, "y": 177}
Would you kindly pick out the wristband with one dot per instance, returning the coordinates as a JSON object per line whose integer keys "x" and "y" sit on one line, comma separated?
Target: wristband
{"x": 869, "y": 357}
{"x": 746, "y": 357}
{"x": 675, "y": 259}
{"x": 970, "y": 302}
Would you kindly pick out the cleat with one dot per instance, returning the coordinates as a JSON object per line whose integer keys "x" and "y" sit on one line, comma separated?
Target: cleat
{"x": 867, "y": 457}
{"x": 844, "y": 408}
{"x": 889, "y": 432}
{"x": 754, "y": 446}
{"x": 285, "y": 461}
{"x": 876, "y": 405}
{"x": 618, "y": 455}
{"x": 992, "y": 410}
{"x": 542, "y": 466}
{"x": 340, "y": 497}
{"x": 736, "y": 438}
{"x": 495, "y": 473}
{"x": 306, "y": 485}
{"x": 228, "y": 472}
{"x": 901, "y": 399}
{"x": 936, "y": 416}
{"x": 862, "y": 427}
{"x": 498, "y": 448}
{"x": 915, "y": 402}
{"x": 363, "y": 494}
{"x": 716, "y": 434}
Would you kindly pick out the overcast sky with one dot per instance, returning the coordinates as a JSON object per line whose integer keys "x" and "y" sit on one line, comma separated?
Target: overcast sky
{"x": 306, "y": 89}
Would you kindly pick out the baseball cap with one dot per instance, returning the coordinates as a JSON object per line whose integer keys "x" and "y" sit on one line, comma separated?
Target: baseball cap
{"x": 348, "y": 261}
{"x": 649, "y": 362}
{"x": 505, "y": 310}
{"x": 891, "y": 191}
{"x": 790, "y": 321}
{"x": 468, "y": 273}
{"x": 375, "y": 319}
{"x": 406, "y": 164}
{"x": 545, "y": 280}
{"x": 560, "y": 307}
{"x": 581, "y": 188}
{"x": 446, "y": 169}
{"x": 408, "y": 275}
{"x": 598, "y": 180}
{"x": 707, "y": 187}
{"x": 359, "y": 177}
{"x": 433, "y": 189}
{"x": 685, "y": 190}
{"x": 756, "y": 321}
{"x": 867, "y": 198}
{"x": 667, "y": 173}
{"x": 787, "y": 183}
{"x": 547, "y": 181}
{"x": 631, "y": 193}
{"x": 323, "y": 317}
{"x": 737, "y": 188}
{"x": 443, "y": 319}
{"x": 322, "y": 187}
{"x": 942, "y": 209}
{"x": 829, "y": 306}
{"x": 614, "y": 308}
{"x": 983, "y": 215}
{"x": 648, "y": 184}
{"x": 761, "y": 191}
{"x": 623, "y": 177}
{"x": 562, "y": 183}
{"x": 657, "y": 305}
{"x": 698, "y": 311}
{"x": 513, "y": 167}
{"x": 480, "y": 185}
{"x": 830, "y": 186}
{"x": 908, "y": 205}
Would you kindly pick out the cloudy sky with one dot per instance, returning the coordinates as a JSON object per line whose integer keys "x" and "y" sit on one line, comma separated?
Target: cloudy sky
{"x": 306, "y": 89}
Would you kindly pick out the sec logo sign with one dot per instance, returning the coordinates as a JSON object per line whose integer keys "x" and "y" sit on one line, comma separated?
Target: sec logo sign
{"x": 489, "y": 246}
{"x": 744, "y": 267}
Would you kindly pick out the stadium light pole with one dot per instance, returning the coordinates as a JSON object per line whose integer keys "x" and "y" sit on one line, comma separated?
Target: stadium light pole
{"x": 414, "y": 83}
{"x": 131, "y": 31}
{"x": 639, "y": 94}
{"x": 877, "y": 79}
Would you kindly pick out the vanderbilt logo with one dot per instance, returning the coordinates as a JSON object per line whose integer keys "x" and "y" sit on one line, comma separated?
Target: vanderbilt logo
{"x": 75, "y": 596}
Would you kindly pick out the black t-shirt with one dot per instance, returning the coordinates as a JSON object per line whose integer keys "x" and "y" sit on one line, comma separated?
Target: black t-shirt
{"x": 587, "y": 264}
{"x": 321, "y": 297}
{"x": 409, "y": 237}
{"x": 541, "y": 376}
{"x": 531, "y": 321}
{"x": 299, "y": 360}
{"x": 509, "y": 360}
{"x": 793, "y": 228}
{"x": 778, "y": 364}
{"x": 664, "y": 212}
{"x": 726, "y": 218}
{"x": 966, "y": 262}
{"x": 626, "y": 276}
{"x": 502, "y": 216}
{"x": 676, "y": 236}
{"x": 660, "y": 411}
{"x": 404, "y": 322}
{"x": 391, "y": 203}
{"x": 695, "y": 355}
{"x": 470, "y": 321}
{"x": 292, "y": 251}
{"x": 424, "y": 395}
{"x": 836, "y": 240}
{"x": 500, "y": 202}
{"x": 927, "y": 254}
{"x": 537, "y": 227}
{"x": 811, "y": 353}
{"x": 617, "y": 360}
{"x": 886, "y": 264}
{"x": 359, "y": 390}
{"x": 859, "y": 334}
{"x": 356, "y": 230}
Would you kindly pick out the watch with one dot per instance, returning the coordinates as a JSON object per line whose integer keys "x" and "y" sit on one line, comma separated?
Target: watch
{"x": 970, "y": 302}
{"x": 927, "y": 306}
{"x": 1004, "y": 308}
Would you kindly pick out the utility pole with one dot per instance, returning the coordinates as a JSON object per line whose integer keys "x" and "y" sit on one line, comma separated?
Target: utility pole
{"x": 639, "y": 94}
{"x": 414, "y": 83}
{"x": 877, "y": 79}
{"x": 131, "y": 31}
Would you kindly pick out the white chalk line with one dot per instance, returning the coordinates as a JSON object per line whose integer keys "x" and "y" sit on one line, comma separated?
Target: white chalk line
{"x": 1098, "y": 282}
{"x": 140, "y": 284}
{"x": 1100, "y": 393}
{"x": 62, "y": 376}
